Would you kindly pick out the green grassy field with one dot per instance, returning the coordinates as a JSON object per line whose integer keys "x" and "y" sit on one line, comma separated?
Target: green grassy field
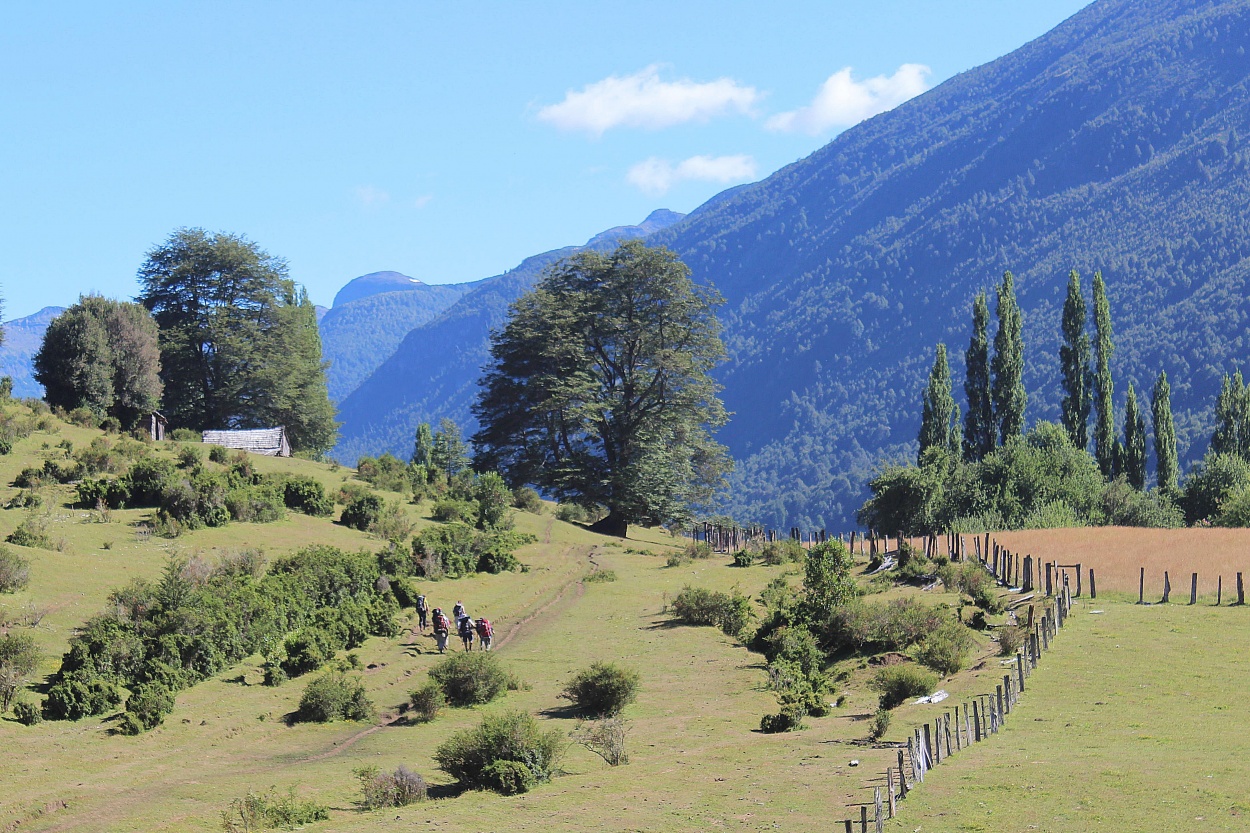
{"x": 1164, "y": 678}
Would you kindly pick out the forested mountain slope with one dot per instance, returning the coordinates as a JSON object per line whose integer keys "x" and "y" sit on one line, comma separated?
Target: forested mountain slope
{"x": 366, "y": 325}
{"x": 22, "y": 338}
{"x": 1117, "y": 141}
{"x": 434, "y": 371}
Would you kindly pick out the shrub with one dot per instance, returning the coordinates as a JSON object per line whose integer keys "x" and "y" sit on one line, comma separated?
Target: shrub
{"x": 73, "y": 698}
{"x": 796, "y": 645}
{"x": 387, "y": 472}
{"x": 146, "y": 708}
{"x": 187, "y": 435}
{"x": 307, "y": 650}
{"x": 781, "y": 552}
{"x": 449, "y": 510}
{"x": 32, "y": 532}
{"x": 787, "y": 720}
{"x": 256, "y": 811}
{"x": 19, "y": 657}
{"x": 189, "y": 457}
{"x": 304, "y": 494}
{"x": 880, "y": 724}
{"x": 334, "y": 696}
{"x": 698, "y": 605}
{"x": 362, "y": 512}
{"x": 380, "y": 790}
{"x": 945, "y": 649}
{"x": 606, "y": 738}
{"x": 743, "y": 558}
{"x": 218, "y": 454}
{"x": 1010, "y": 640}
{"x": 897, "y": 683}
{"x": 527, "y": 500}
{"x": 698, "y": 550}
{"x": 494, "y": 501}
{"x": 31, "y": 477}
{"x": 14, "y": 571}
{"x": 599, "y": 576}
{"x": 27, "y": 713}
{"x": 602, "y": 690}
{"x": 508, "y": 753}
{"x": 392, "y": 523}
{"x": 470, "y": 678}
{"x": 427, "y": 701}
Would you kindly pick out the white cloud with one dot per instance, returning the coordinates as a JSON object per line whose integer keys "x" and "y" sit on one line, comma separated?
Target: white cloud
{"x": 422, "y": 201}
{"x": 368, "y": 195}
{"x": 842, "y": 101}
{"x": 643, "y": 100}
{"x": 656, "y": 176}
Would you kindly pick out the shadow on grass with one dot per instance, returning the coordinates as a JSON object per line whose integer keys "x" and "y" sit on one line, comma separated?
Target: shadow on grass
{"x": 667, "y": 624}
{"x": 569, "y": 712}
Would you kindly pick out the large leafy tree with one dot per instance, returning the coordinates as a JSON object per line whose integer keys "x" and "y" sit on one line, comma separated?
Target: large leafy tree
{"x": 1074, "y": 356}
{"x": 938, "y": 408}
{"x": 979, "y": 422}
{"x": 1007, "y": 389}
{"x": 239, "y": 339}
{"x": 1104, "y": 424}
{"x": 1165, "y": 434}
{"x": 599, "y": 390}
{"x": 102, "y": 355}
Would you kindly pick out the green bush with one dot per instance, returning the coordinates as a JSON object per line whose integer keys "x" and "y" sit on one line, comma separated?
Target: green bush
{"x": 187, "y": 435}
{"x": 602, "y": 690}
{"x": 362, "y": 512}
{"x": 600, "y": 576}
{"x": 449, "y": 510}
{"x": 698, "y": 605}
{"x": 508, "y": 753}
{"x": 73, "y": 698}
{"x": 796, "y": 645}
{"x": 787, "y": 720}
{"x": 189, "y": 457}
{"x": 334, "y": 696}
{"x": 257, "y": 811}
{"x": 426, "y": 702}
{"x": 880, "y": 724}
{"x": 946, "y": 649}
{"x": 527, "y": 500}
{"x": 494, "y": 502}
{"x": 471, "y": 678}
{"x": 27, "y": 713}
{"x": 32, "y": 532}
{"x": 783, "y": 551}
{"x": 304, "y": 494}
{"x": 307, "y": 650}
{"x": 387, "y": 472}
{"x": 14, "y": 571}
{"x": 380, "y": 790}
{"x": 147, "y": 707}
{"x": 898, "y": 683}
{"x": 1010, "y": 640}
{"x": 218, "y": 454}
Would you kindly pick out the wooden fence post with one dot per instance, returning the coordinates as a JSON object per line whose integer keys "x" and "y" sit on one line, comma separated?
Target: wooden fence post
{"x": 850, "y": 826}
{"x": 1078, "y": 581}
{"x": 1141, "y": 587}
{"x": 1020, "y": 669}
{"x": 976, "y": 721}
{"x": 863, "y": 818}
{"x": 1006, "y": 689}
{"x": 928, "y": 748}
{"x": 1219, "y": 591}
{"x": 1193, "y": 589}
{"x": 889, "y": 778}
{"x": 1167, "y": 587}
{"x": 1093, "y": 589}
{"x": 902, "y": 777}
{"x": 1241, "y": 591}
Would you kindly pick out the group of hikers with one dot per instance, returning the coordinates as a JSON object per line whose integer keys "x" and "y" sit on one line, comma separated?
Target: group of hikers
{"x": 466, "y": 627}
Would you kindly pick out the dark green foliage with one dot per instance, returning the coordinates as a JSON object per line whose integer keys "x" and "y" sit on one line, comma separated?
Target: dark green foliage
{"x": 784, "y": 721}
{"x": 731, "y": 612}
{"x": 946, "y": 649}
{"x": 335, "y": 696}
{"x": 14, "y": 571}
{"x": 1104, "y": 388}
{"x": 362, "y": 512}
{"x": 827, "y": 579}
{"x": 1074, "y": 356}
{"x": 1007, "y": 367}
{"x": 27, "y": 713}
{"x": 239, "y": 340}
{"x": 796, "y": 645}
{"x": 1122, "y": 505}
{"x": 588, "y": 394}
{"x": 508, "y": 753}
{"x": 938, "y": 407}
{"x": 79, "y": 696}
{"x": 449, "y": 510}
{"x": 218, "y": 454}
{"x": 874, "y": 627}
{"x": 307, "y": 650}
{"x": 602, "y": 690}
{"x": 527, "y": 500}
{"x": 449, "y": 453}
{"x": 385, "y": 472}
{"x": 880, "y": 724}
{"x": 307, "y": 495}
{"x": 494, "y": 499}
{"x": 456, "y": 549}
{"x": 146, "y": 708}
{"x": 101, "y": 355}
{"x": 33, "y": 532}
{"x": 1210, "y": 483}
{"x": 1134, "y": 466}
{"x": 1166, "y": 463}
{"x": 899, "y": 683}
{"x": 471, "y": 678}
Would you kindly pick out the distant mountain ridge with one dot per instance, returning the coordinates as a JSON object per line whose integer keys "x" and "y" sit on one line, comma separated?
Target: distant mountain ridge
{"x": 434, "y": 371}
{"x": 374, "y": 283}
{"x": 22, "y": 339}
{"x": 1114, "y": 142}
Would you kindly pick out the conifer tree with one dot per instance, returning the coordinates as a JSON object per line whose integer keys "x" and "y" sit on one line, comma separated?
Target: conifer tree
{"x": 1104, "y": 424}
{"x": 1074, "y": 361}
{"x": 1232, "y": 418}
{"x": 1134, "y": 442}
{"x": 954, "y": 439}
{"x": 1007, "y": 389}
{"x": 979, "y": 421}
{"x": 1166, "y": 466}
{"x": 938, "y": 406}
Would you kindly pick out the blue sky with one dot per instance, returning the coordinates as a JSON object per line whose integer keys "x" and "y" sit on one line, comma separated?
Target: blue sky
{"x": 445, "y": 141}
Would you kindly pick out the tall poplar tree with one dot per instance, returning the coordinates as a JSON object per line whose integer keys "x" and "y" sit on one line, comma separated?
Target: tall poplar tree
{"x": 1166, "y": 466}
{"x": 1007, "y": 390}
{"x": 1134, "y": 441}
{"x": 1104, "y": 423}
{"x": 1074, "y": 361}
{"x": 1232, "y": 418}
{"x": 979, "y": 421}
{"x": 938, "y": 406}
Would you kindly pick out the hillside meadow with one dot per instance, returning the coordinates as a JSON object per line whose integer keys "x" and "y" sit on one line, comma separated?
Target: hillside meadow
{"x": 697, "y": 759}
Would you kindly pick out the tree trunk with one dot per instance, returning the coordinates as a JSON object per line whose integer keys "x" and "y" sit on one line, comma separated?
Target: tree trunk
{"x": 614, "y": 524}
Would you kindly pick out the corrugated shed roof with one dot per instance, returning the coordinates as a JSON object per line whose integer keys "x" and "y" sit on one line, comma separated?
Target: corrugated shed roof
{"x": 268, "y": 441}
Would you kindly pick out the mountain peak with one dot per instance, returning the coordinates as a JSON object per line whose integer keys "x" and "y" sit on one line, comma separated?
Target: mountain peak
{"x": 373, "y": 284}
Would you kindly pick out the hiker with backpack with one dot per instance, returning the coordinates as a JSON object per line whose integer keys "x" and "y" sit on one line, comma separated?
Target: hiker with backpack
{"x": 422, "y": 613}
{"x": 466, "y": 632}
{"x": 441, "y": 628}
{"x": 457, "y": 611}
{"x": 484, "y": 633}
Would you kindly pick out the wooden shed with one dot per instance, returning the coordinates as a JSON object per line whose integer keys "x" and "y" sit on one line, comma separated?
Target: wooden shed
{"x": 271, "y": 442}
{"x": 158, "y": 426}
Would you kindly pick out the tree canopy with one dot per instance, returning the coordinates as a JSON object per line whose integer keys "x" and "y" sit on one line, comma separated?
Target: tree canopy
{"x": 238, "y": 338}
{"x": 598, "y": 388}
{"x": 102, "y": 355}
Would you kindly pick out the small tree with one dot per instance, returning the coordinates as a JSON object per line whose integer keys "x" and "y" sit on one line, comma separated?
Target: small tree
{"x": 19, "y": 657}
{"x": 1104, "y": 423}
{"x": 938, "y": 406}
{"x": 1165, "y": 434}
{"x": 1074, "y": 363}
{"x": 1134, "y": 442}
{"x": 1007, "y": 388}
{"x": 979, "y": 421}
{"x": 602, "y": 690}
{"x": 827, "y": 579}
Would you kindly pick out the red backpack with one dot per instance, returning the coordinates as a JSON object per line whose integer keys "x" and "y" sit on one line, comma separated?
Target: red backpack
{"x": 484, "y": 629}
{"x": 441, "y": 623}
